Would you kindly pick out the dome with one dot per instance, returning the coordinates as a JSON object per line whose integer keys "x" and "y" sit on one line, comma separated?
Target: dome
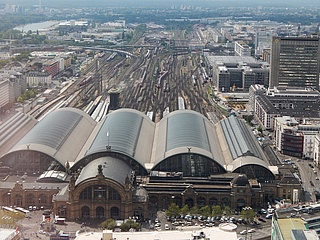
{"x": 240, "y": 180}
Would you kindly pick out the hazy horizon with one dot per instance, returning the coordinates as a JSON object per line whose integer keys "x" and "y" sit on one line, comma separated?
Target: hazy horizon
{"x": 155, "y": 3}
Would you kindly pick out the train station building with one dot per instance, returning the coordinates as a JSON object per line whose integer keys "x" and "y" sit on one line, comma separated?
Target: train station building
{"x": 126, "y": 165}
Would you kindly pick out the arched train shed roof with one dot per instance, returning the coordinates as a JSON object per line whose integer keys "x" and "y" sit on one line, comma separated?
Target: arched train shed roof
{"x": 61, "y": 135}
{"x": 112, "y": 168}
{"x": 184, "y": 130}
{"x": 247, "y": 160}
{"x": 125, "y": 131}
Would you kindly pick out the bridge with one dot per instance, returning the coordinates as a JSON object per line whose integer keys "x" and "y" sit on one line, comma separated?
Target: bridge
{"x": 110, "y": 50}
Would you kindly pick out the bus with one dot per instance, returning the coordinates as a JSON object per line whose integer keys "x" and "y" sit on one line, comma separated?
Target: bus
{"x": 9, "y": 209}
{"x": 25, "y": 211}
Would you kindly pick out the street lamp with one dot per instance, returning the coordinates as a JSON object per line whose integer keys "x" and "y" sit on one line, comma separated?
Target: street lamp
{"x": 9, "y": 198}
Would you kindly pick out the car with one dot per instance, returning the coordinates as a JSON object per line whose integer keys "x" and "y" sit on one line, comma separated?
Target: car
{"x": 30, "y": 208}
{"x": 261, "y": 219}
{"x": 34, "y": 208}
{"x": 263, "y": 211}
{"x": 166, "y": 227}
{"x": 251, "y": 230}
{"x": 317, "y": 178}
{"x": 243, "y": 232}
{"x": 269, "y": 216}
{"x": 271, "y": 210}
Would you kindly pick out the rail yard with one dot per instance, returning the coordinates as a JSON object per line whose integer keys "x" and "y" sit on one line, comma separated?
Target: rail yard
{"x": 150, "y": 78}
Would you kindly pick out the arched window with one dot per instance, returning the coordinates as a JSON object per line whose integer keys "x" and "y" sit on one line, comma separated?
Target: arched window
{"x": 113, "y": 195}
{"x": 213, "y": 201}
{"x": 189, "y": 202}
{"x": 30, "y": 199}
{"x": 241, "y": 203}
{"x": 86, "y": 194}
{"x": 43, "y": 199}
{"x": 225, "y": 202}
{"x": 6, "y": 199}
{"x": 201, "y": 202}
{"x": 114, "y": 212}
{"x": 99, "y": 212}
{"x": 100, "y": 192}
{"x": 85, "y": 212}
{"x": 17, "y": 201}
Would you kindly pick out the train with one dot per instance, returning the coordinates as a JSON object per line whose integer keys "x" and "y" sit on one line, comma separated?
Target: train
{"x": 162, "y": 75}
{"x": 101, "y": 54}
{"x": 194, "y": 80}
{"x": 181, "y": 105}
{"x": 86, "y": 81}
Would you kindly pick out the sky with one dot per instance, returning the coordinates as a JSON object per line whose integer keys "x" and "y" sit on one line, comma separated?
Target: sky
{"x": 128, "y": 3}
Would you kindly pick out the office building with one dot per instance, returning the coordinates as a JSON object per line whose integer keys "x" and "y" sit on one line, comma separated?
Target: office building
{"x": 235, "y": 72}
{"x": 277, "y": 102}
{"x": 295, "y": 62}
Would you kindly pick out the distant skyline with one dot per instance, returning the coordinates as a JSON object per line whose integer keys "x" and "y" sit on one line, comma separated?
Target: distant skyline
{"x": 155, "y": 3}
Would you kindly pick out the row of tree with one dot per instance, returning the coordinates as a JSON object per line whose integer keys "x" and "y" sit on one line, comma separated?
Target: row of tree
{"x": 207, "y": 211}
{"x": 125, "y": 226}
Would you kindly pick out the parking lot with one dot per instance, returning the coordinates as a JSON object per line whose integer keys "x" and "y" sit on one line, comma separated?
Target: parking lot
{"x": 257, "y": 229}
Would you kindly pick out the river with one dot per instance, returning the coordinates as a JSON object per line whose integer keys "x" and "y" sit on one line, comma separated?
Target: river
{"x": 37, "y": 26}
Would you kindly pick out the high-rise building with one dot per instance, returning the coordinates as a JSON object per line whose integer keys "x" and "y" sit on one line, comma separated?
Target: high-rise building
{"x": 295, "y": 62}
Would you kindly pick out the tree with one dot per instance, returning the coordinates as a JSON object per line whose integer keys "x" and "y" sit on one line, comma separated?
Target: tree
{"x": 216, "y": 210}
{"x": 185, "y": 210}
{"x": 19, "y": 99}
{"x": 22, "y": 56}
{"x": 194, "y": 210}
{"x": 227, "y": 210}
{"x": 108, "y": 224}
{"x": 205, "y": 211}
{"x": 173, "y": 210}
{"x": 127, "y": 225}
{"x": 248, "y": 214}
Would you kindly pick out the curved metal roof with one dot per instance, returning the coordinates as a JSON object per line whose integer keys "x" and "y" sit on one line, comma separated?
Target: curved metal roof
{"x": 186, "y": 131}
{"x": 247, "y": 160}
{"x": 125, "y": 131}
{"x": 112, "y": 168}
{"x": 61, "y": 134}
{"x": 239, "y": 138}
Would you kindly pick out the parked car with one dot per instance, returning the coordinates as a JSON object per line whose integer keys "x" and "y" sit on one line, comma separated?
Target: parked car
{"x": 271, "y": 210}
{"x": 263, "y": 211}
{"x": 243, "y": 232}
{"x": 251, "y": 230}
{"x": 261, "y": 219}
{"x": 269, "y": 216}
{"x": 166, "y": 227}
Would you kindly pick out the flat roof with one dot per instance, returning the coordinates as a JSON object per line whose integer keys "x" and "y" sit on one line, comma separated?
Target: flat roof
{"x": 211, "y": 233}
{"x": 7, "y": 233}
{"x": 286, "y": 225}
